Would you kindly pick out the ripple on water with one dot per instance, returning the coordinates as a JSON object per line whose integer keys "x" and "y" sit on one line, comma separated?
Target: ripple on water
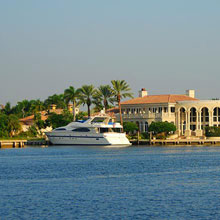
{"x": 105, "y": 183}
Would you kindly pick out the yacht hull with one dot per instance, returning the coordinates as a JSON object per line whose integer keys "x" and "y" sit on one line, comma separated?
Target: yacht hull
{"x": 89, "y": 140}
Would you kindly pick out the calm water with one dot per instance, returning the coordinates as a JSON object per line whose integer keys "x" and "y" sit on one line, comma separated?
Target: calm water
{"x": 106, "y": 183}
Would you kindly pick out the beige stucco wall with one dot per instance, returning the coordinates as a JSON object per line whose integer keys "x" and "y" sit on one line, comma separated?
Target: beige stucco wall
{"x": 140, "y": 113}
{"x": 183, "y": 120}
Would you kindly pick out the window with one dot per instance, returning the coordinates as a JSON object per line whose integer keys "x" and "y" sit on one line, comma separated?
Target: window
{"x": 60, "y": 129}
{"x": 165, "y": 109}
{"x": 118, "y": 130}
{"x": 81, "y": 130}
{"x": 98, "y": 119}
{"x": 160, "y": 109}
{"x": 172, "y": 109}
{"x": 103, "y": 130}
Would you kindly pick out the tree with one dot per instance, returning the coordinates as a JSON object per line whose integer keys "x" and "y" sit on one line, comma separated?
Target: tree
{"x": 38, "y": 121}
{"x": 87, "y": 93}
{"x": 37, "y": 106}
{"x": 81, "y": 115}
{"x": 72, "y": 94}
{"x": 22, "y": 108}
{"x": 3, "y": 125}
{"x": 159, "y": 127}
{"x": 13, "y": 125}
{"x": 104, "y": 96}
{"x": 7, "y": 108}
{"x": 121, "y": 90}
{"x": 130, "y": 127}
{"x": 56, "y": 120}
{"x": 55, "y": 99}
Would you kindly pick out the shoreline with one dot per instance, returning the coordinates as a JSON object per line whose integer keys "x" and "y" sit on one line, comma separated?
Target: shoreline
{"x": 10, "y": 143}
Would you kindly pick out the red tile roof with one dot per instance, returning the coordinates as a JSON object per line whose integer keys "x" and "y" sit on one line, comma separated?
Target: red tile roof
{"x": 44, "y": 115}
{"x": 114, "y": 109}
{"x": 153, "y": 99}
{"x": 30, "y": 119}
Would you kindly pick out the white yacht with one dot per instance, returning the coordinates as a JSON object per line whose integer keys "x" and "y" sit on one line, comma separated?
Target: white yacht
{"x": 97, "y": 130}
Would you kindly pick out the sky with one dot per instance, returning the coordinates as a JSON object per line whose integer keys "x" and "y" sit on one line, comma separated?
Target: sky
{"x": 166, "y": 47}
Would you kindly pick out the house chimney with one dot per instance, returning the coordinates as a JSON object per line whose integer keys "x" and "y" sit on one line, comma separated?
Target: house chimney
{"x": 190, "y": 93}
{"x": 142, "y": 92}
{"x": 53, "y": 107}
{"x": 70, "y": 108}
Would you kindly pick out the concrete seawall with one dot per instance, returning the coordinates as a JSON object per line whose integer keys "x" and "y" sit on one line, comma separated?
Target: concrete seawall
{"x": 21, "y": 143}
{"x": 12, "y": 143}
{"x": 209, "y": 141}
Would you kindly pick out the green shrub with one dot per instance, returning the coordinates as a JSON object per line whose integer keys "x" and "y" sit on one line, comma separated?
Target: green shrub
{"x": 130, "y": 127}
{"x": 212, "y": 131}
{"x": 32, "y": 131}
{"x": 159, "y": 127}
{"x": 145, "y": 135}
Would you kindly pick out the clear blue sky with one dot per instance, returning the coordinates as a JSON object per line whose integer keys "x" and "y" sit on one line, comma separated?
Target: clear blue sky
{"x": 165, "y": 46}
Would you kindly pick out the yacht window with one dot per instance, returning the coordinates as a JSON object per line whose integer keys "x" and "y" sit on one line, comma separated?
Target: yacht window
{"x": 81, "y": 130}
{"x": 118, "y": 130}
{"x": 103, "y": 130}
{"x": 98, "y": 119}
{"x": 60, "y": 129}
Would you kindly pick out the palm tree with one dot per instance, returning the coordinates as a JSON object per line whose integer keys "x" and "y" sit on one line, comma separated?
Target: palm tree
{"x": 36, "y": 106}
{"x": 23, "y": 107}
{"x": 87, "y": 93}
{"x": 7, "y": 108}
{"x": 58, "y": 100}
{"x": 104, "y": 94}
{"x": 121, "y": 90}
{"x": 72, "y": 94}
{"x": 13, "y": 125}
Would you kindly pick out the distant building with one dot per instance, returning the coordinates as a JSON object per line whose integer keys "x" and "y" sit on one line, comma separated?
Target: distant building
{"x": 190, "y": 115}
{"x": 28, "y": 121}
{"x": 2, "y": 106}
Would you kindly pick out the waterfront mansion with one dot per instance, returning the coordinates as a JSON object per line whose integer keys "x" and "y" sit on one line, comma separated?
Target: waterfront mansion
{"x": 190, "y": 115}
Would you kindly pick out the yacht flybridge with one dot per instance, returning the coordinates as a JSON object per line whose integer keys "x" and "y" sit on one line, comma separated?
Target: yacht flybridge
{"x": 97, "y": 130}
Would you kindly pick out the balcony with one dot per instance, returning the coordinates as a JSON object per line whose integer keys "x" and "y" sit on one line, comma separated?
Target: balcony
{"x": 146, "y": 115}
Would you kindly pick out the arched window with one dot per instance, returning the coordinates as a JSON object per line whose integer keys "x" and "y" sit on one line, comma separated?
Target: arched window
{"x": 182, "y": 120}
{"x": 204, "y": 117}
{"x": 146, "y": 126}
{"x": 138, "y": 124}
{"x": 141, "y": 127}
{"x": 216, "y": 114}
{"x": 193, "y": 119}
